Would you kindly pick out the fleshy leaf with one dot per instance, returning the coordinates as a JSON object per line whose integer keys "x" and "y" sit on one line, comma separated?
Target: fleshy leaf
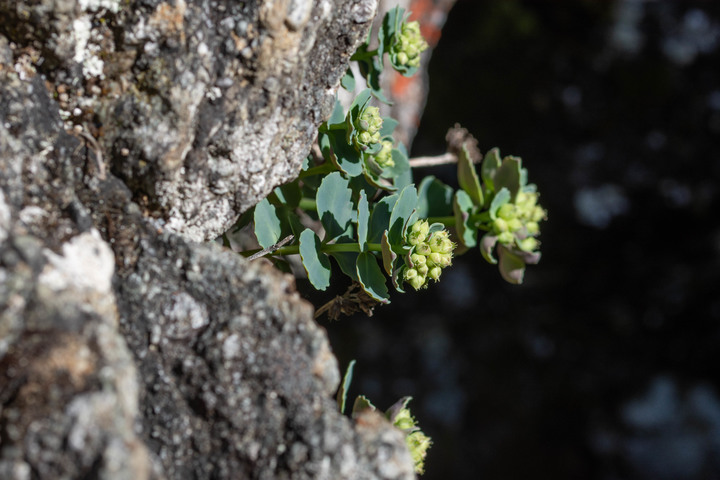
{"x": 512, "y": 267}
{"x": 371, "y": 277}
{"x": 361, "y": 404}
{"x": 334, "y": 145}
{"x": 345, "y": 386}
{"x": 434, "y": 198}
{"x": 501, "y": 198}
{"x": 463, "y": 208}
{"x": 401, "y": 213}
{"x": 490, "y": 164}
{"x": 388, "y": 126}
{"x": 316, "y": 263}
{"x": 347, "y": 262}
{"x": 468, "y": 178}
{"x": 288, "y": 194}
{"x": 508, "y": 175}
{"x": 348, "y": 81}
{"x": 388, "y": 255}
{"x": 334, "y": 205}
{"x": 338, "y": 114}
{"x": 402, "y": 165}
{"x": 487, "y": 245}
{"x": 267, "y": 224}
{"x": 380, "y": 217}
{"x": 363, "y": 218}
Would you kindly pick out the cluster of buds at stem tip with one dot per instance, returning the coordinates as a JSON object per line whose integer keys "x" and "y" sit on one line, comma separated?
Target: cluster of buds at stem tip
{"x": 369, "y": 125}
{"x": 409, "y": 45}
{"x": 384, "y": 157}
{"x": 430, "y": 253}
{"x": 519, "y": 222}
{"x": 418, "y": 443}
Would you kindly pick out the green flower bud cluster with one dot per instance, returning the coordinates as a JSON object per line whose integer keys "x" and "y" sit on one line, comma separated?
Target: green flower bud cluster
{"x": 418, "y": 443}
{"x": 384, "y": 157}
{"x": 369, "y": 124}
{"x": 431, "y": 253}
{"x": 409, "y": 45}
{"x": 519, "y": 222}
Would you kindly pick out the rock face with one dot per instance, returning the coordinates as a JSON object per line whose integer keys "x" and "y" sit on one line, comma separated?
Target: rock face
{"x": 128, "y": 131}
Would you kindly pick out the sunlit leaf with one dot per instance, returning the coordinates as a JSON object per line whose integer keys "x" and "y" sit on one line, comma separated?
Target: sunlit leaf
{"x": 388, "y": 255}
{"x": 345, "y": 386}
{"x": 363, "y": 218}
{"x": 334, "y": 205}
{"x": 463, "y": 209}
{"x": 508, "y": 175}
{"x": 267, "y": 224}
{"x": 468, "y": 178}
{"x": 490, "y": 164}
{"x": 512, "y": 267}
{"x": 371, "y": 277}
{"x": 401, "y": 214}
{"x": 487, "y": 245}
{"x": 434, "y": 198}
{"x": 316, "y": 263}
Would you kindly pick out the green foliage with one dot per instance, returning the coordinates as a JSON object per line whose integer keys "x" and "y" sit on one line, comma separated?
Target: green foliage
{"x": 371, "y": 218}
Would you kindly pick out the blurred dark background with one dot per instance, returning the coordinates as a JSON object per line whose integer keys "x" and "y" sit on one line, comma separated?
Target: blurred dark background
{"x": 605, "y": 364}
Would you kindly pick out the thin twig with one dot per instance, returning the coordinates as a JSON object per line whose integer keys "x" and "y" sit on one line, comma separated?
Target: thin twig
{"x": 444, "y": 159}
{"x": 272, "y": 248}
{"x": 98, "y": 151}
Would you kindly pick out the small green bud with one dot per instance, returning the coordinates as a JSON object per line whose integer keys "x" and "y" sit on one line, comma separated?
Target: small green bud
{"x": 514, "y": 224}
{"x": 422, "y": 270}
{"x": 532, "y": 228}
{"x": 417, "y": 282}
{"x": 410, "y": 273}
{"x": 402, "y": 58}
{"x": 423, "y": 249}
{"x": 365, "y": 138}
{"x": 500, "y": 225}
{"x": 538, "y": 214}
{"x": 507, "y": 212}
{"x": 417, "y": 259}
{"x": 418, "y": 443}
{"x": 435, "y": 258}
{"x": 445, "y": 259}
{"x": 506, "y": 238}
{"x": 447, "y": 246}
{"x": 434, "y": 273}
{"x": 528, "y": 244}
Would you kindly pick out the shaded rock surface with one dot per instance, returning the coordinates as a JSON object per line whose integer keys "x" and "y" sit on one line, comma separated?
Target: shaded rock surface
{"x": 127, "y": 131}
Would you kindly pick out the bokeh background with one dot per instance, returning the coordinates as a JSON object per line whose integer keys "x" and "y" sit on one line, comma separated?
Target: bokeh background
{"x": 605, "y": 364}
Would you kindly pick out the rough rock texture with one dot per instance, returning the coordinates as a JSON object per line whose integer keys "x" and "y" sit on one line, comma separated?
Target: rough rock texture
{"x": 200, "y": 107}
{"x": 127, "y": 350}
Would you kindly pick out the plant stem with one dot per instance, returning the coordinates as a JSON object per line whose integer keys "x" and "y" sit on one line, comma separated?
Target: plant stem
{"x": 308, "y": 204}
{"x": 326, "y": 167}
{"x": 330, "y": 248}
{"x": 444, "y": 159}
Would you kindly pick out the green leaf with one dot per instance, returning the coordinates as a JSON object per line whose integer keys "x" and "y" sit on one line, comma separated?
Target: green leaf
{"x": 348, "y": 81}
{"x": 388, "y": 126}
{"x": 468, "y": 178}
{"x": 501, "y": 198}
{"x": 316, "y": 263}
{"x": 405, "y": 178}
{"x": 402, "y": 165}
{"x": 267, "y": 224}
{"x": 347, "y": 261}
{"x": 363, "y": 219}
{"x": 371, "y": 277}
{"x": 487, "y": 245}
{"x": 358, "y": 106}
{"x": 463, "y": 209}
{"x": 508, "y": 175}
{"x": 401, "y": 213}
{"x": 335, "y": 147}
{"x": 289, "y": 194}
{"x": 512, "y": 267}
{"x": 434, "y": 198}
{"x": 334, "y": 205}
{"x": 490, "y": 164}
{"x": 361, "y": 404}
{"x": 380, "y": 218}
{"x": 338, "y": 114}
{"x": 388, "y": 255}
{"x": 345, "y": 386}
